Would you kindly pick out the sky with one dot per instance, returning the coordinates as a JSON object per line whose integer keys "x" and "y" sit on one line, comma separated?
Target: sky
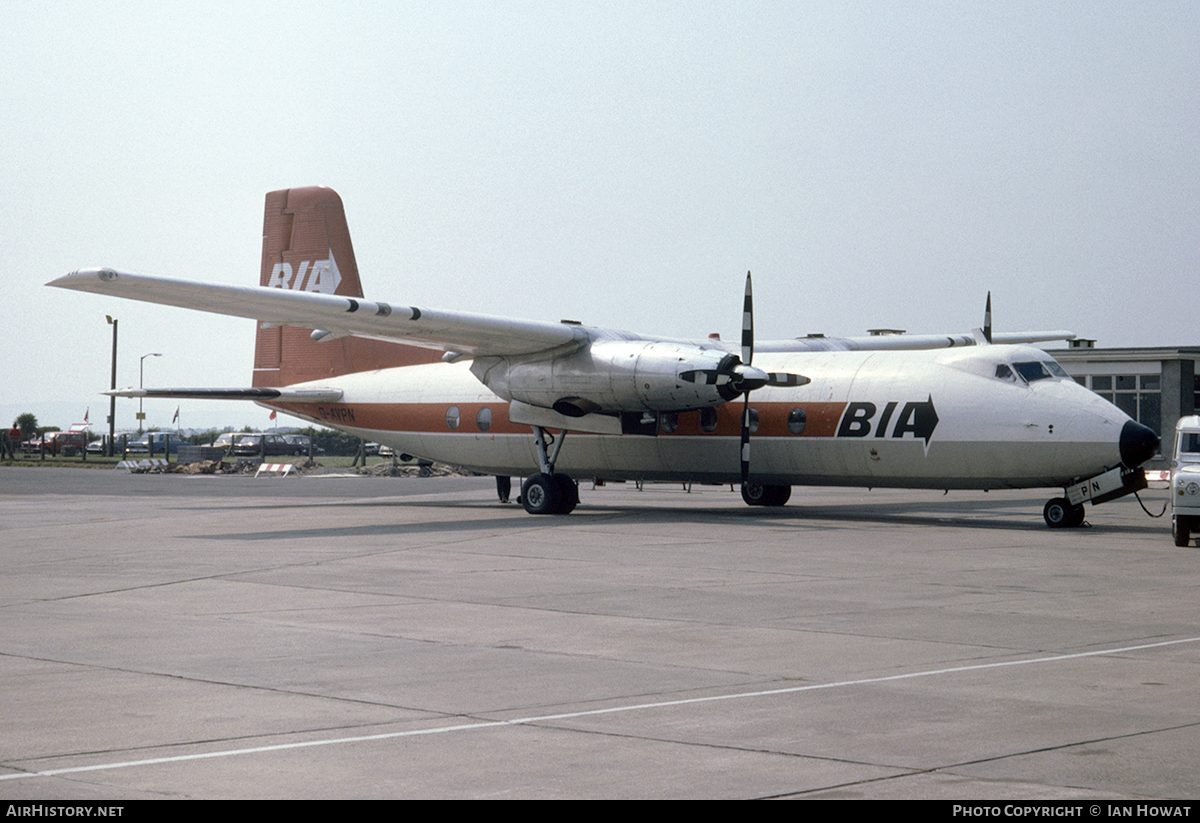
{"x": 623, "y": 164}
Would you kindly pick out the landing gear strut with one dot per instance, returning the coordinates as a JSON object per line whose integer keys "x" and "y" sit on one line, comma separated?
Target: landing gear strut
{"x": 549, "y": 492}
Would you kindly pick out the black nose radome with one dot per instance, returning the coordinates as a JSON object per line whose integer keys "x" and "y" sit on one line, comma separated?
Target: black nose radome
{"x": 1138, "y": 444}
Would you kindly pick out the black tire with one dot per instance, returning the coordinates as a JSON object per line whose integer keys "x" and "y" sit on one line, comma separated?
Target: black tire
{"x": 758, "y": 494}
{"x": 780, "y": 495}
{"x": 568, "y": 493}
{"x": 540, "y": 494}
{"x": 754, "y": 493}
{"x": 1058, "y": 513}
{"x": 1181, "y": 527}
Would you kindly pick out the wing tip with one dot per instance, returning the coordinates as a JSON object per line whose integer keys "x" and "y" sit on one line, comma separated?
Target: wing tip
{"x": 82, "y": 279}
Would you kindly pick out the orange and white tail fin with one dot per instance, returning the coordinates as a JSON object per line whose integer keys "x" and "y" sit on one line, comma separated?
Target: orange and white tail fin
{"x": 306, "y": 247}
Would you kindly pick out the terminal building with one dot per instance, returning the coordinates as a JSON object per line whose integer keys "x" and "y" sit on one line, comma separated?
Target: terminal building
{"x": 1154, "y": 386}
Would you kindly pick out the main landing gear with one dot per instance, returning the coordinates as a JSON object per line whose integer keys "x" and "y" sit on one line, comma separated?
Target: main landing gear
{"x": 549, "y": 492}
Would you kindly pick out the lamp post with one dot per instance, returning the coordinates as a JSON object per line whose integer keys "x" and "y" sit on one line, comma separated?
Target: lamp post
{"x": 141, "y": 373}
{"x": 112, "y": 398}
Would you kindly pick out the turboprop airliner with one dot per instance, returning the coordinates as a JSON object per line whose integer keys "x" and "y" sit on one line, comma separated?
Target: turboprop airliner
{"x": 559, "y": 401}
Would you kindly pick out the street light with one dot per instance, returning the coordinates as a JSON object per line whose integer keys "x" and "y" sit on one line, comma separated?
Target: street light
{"x": 141, "y": 374}
{"x": 112, "y": 398}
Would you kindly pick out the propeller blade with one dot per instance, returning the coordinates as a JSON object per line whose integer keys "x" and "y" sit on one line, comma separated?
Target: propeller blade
{"x": 709, "y": 377}
{"x": 749, "y": 382}
{"x": 746, "y": 439}
{"x": 782, "y": 378}
{"x": 742, "y": 378}
{"x": 987, "y": 319}
{"x": 748, "y": 325}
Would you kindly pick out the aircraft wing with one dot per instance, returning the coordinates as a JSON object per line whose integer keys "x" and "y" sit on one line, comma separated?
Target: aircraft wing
{"x": 461, "y": 333}
{"x": 907, "y": 342}
{"x": 334, "y": 315}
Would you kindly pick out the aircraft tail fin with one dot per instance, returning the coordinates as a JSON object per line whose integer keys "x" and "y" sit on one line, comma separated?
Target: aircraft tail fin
{"x": 306, "y": 247}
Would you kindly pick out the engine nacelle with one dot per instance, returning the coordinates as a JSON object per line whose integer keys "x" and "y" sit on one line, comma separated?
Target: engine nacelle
{"x": 615, "y": 376}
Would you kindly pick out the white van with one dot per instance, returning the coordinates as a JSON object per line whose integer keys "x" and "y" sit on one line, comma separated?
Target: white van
{"x": 1185, "y": 480}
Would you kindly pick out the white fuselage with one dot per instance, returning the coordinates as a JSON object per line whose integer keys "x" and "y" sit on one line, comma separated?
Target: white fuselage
{"x": 918, "y": 419}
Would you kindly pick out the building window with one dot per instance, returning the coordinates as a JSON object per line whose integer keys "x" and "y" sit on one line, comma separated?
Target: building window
{"x": 1138, "y": 395}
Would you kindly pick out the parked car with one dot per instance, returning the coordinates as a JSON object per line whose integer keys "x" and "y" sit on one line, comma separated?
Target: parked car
{"x": 64, "y": 443}
{"x": 99, "y": 446}
{"x": 302, "y": 443}
{"x": 259, "y": 443}
{"x": 161, "y": 440}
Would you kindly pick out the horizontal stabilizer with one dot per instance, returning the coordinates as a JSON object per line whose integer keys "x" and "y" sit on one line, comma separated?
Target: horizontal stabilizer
{"x": 285, "y": 395}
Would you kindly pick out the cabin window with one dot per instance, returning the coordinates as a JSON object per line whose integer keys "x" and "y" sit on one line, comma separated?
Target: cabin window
{"x": 483, "y": 420}
{"x": 668, "y": 422}
{"x": 797, "y": 420}
{"x": 708, "y": 419}
{"x": 452, "y": 415}
{"x": 753, "y": 415}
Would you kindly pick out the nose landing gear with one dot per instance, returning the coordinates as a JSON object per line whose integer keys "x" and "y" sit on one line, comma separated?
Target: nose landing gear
{"x": 1061, "y": 513}
{"x": 1067, "y": 512}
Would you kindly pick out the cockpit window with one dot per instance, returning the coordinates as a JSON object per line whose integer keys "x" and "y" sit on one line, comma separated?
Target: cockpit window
{"x": 1003, "y": 372}
{"x": 1037, "y": 370}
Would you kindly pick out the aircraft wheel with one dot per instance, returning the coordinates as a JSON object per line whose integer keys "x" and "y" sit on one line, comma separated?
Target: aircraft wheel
{"x": 540, "y": 494}
{"x": 780, "y": 496}
{"x": 1060, "y": 514}
{"x": 1181, "y": 527}
{"x": 753, "y": 493}
{"x": 568, "y": 493}
{"x": 758, "y": 494}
